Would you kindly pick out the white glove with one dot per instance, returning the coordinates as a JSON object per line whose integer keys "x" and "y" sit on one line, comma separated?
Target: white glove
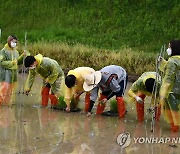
{"x": 160, "y": 59}
{"x": 139, "y": 99}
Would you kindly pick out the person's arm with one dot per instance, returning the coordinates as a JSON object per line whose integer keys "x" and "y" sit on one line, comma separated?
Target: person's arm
{"x": 131, "y": 93}
{"x": 93, "y": 97}
{"x": 162, "y": 64}
{"x": 7, "y": 64}
{"x": 30, "y": 80}
{"x": 22, "y": 56}
{"x": 136, "y": 86}
{"x": 115, "y": 87}
{"x": 68, "y": 97}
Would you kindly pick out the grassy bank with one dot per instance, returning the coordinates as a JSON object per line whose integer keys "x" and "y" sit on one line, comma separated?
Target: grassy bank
{"x": 143, "y": 25}
{"x": 70, "y": 57}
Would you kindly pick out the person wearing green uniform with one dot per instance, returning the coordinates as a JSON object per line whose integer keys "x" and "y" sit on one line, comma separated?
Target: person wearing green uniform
{"x": 170, "y": 89}
{"x": 51, "y": 73}
{"x": 9, "y": 61}
{"x": 140, "y": 89}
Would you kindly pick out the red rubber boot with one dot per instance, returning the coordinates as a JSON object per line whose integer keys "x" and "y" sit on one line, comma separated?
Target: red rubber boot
{"x": 140, "y": 108}
{"x": 45, "y": 96}
{"x": 87, "y": 102}
{"x": 100, "y": 107}
{"x": 54, "y": 100}
{"x": 121, "y": 106}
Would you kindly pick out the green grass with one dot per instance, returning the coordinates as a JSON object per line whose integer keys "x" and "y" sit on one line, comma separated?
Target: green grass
{"x": 142, "y": 25}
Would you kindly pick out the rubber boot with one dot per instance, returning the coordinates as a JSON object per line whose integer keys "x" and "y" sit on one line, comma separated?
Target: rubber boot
{"x": 87, "y": 102}
{"x": 121, "y": 107}
{"x": 157, "y": 113}
{"x": 140, "y": 111}
{"x": 174, "y": 128}
{"x": 100, "y": 107}
{"x": 140, "y": 108}
{"x": 54, "y": 100}
{"x": 45, "y": 96}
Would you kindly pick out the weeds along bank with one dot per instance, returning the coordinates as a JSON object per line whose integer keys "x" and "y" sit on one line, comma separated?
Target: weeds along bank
{"x": 70, "y": 57}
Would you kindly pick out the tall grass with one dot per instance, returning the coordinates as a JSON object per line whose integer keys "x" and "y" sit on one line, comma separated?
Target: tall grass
{"x": 72, "y": 56}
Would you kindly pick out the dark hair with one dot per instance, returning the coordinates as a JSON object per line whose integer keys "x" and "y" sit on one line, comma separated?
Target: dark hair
{"x": 175, "y": 46}
{"x": 14, "y": 37}
{"x": 149, "y": 84}
{"x": 11, "y": 37}
{"x": 29, "y": 60}
{"x": 70, "y": 81}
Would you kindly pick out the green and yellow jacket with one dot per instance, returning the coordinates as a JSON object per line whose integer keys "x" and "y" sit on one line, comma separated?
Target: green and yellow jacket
{"x": 47, "y": 68}
{"x": 171, "y": 79}
{"x": 8, "y": 66}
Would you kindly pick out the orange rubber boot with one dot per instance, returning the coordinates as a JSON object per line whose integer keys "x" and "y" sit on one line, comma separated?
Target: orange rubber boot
{"x": 45, "y": 96}
{"x": 121, "y": 106}
{"x": 54, "y": 100}
{"x": 100, "y": 107}
{"x": 157, "y": 113}
{"x": 140, "y": 108}
{"x": 87, "y": 102}
{"x": 174, "y": 128}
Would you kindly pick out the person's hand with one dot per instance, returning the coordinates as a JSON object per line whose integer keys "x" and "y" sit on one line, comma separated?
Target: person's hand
{"x": 67, "y": 109}
{"x": 27, "y": 92}
{"x": 103, "y": 101}
{"x": 14, "y": 62}
{"x": 89, "y": 114}
{"x": 139, "y": 99}
{"x": 47, "y": 81}
{"x": 160, "y": 59}
{"x": 25, "y": 52}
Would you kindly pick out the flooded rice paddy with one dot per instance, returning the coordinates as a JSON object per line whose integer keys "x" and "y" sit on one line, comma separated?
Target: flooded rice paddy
{"x": 27, "y": 128}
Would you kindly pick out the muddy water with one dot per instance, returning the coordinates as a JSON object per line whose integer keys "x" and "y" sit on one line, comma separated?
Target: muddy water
{"x": 27, "y": 128}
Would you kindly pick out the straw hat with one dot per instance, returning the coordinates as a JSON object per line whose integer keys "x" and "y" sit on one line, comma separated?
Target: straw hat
{"x": 92, "y": 80}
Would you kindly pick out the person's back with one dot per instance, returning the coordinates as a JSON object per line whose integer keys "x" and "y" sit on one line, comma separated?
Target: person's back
{"x": 139, "y": 84}
{"x": 74, "y": 86}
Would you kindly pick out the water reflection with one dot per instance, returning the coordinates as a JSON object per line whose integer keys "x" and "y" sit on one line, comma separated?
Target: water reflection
{"x": 28, "y": 129}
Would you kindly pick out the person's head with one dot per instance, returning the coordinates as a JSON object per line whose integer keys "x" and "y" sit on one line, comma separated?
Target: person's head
{"x": 30, "y": 62}
{"x": 149, "y": 84}
{"x": 70, "y": 81}
{"x": 174, "y": 48}
{"x": 12, "y": 41}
